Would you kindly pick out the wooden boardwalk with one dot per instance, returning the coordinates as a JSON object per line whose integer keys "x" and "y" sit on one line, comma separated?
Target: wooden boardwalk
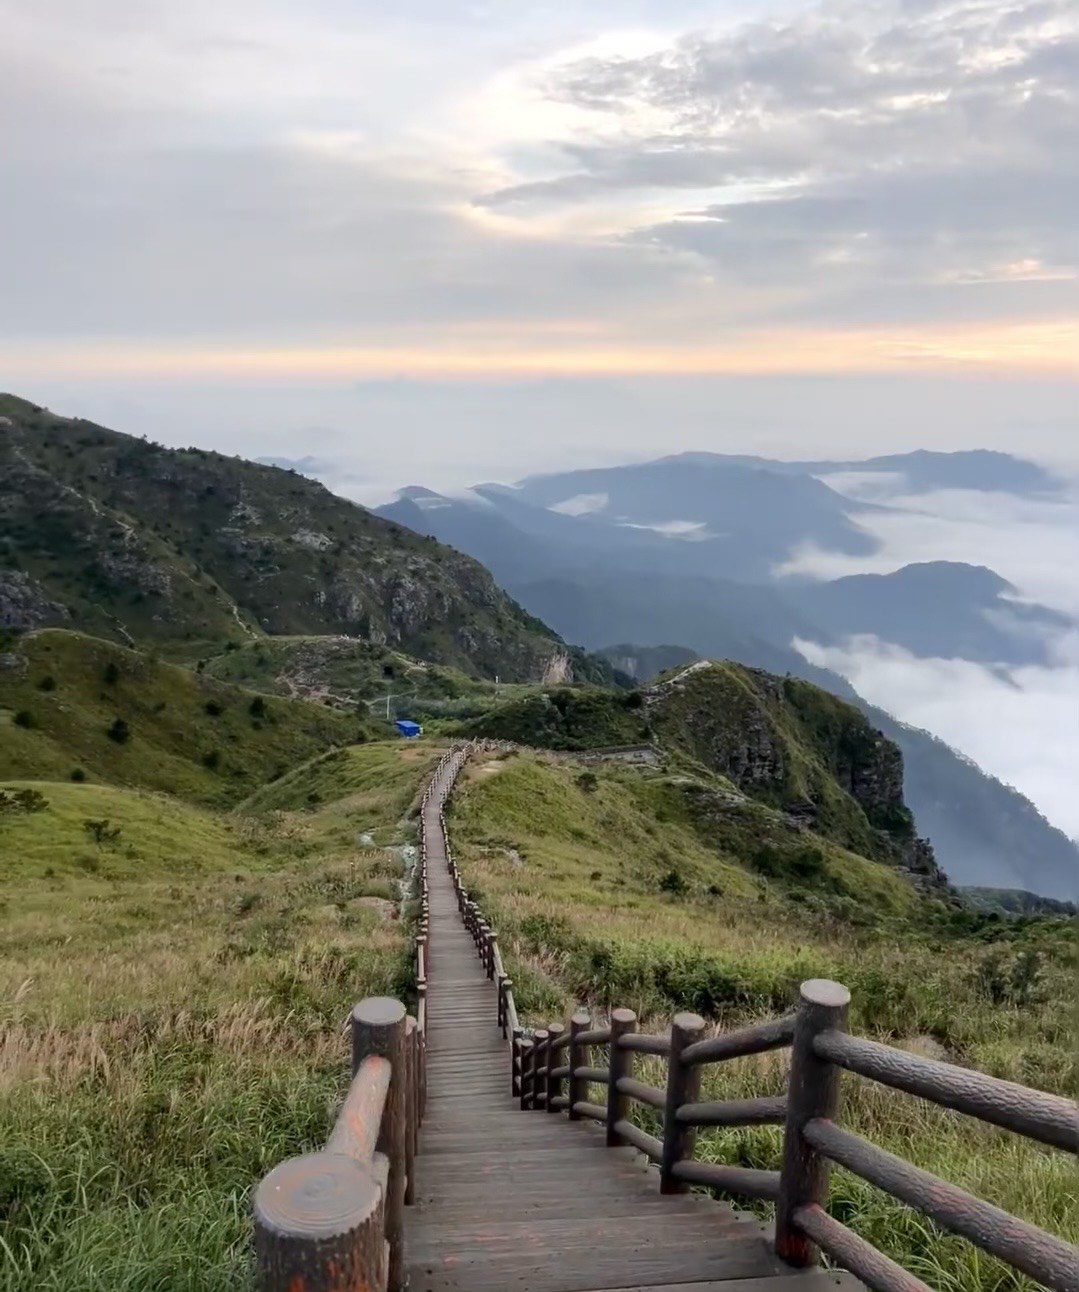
{"x": 506, "y": 1199}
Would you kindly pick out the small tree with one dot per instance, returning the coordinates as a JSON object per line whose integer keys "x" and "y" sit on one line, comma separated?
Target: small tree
{"x": 211, "y": 759}
{"x": 47, "y": 683}
{"x": 257, "y": 707}
{"x": 111, "y": 673}
{"x": 24, "y": 718}
{"x": 119, "y": 731}
{"x": 214, "y": 708}
{"x": 588, "y": 782}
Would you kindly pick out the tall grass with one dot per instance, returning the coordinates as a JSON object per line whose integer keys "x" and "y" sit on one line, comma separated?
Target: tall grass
{"x": 170, "y": 1025}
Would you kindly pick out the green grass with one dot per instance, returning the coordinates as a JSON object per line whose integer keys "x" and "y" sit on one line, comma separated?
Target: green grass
{"x": 171, "y": 1008}
{"x": 576, "y": 879}
{"x": 189, "y": 735}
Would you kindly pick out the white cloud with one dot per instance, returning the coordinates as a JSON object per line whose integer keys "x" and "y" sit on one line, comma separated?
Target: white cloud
{"x": 582, "y": 504}
{"x": 1022, "y": 726}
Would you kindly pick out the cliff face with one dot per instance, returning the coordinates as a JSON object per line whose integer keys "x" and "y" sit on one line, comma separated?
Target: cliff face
{"x": 792, "y": 745}
{"x": 136, "y": 542}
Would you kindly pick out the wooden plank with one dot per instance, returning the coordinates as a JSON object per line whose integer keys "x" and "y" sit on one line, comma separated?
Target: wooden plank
{"x": 548, "y": 1271}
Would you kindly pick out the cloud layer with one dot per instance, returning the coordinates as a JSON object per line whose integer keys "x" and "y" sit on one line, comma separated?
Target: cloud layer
{"x": 464, "y": 189}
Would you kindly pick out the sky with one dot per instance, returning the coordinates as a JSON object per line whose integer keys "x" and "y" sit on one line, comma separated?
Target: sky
{"x": 492, "y": 238}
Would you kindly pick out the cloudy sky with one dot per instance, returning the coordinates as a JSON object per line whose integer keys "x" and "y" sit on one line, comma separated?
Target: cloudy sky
{"x": 580, "y": 230}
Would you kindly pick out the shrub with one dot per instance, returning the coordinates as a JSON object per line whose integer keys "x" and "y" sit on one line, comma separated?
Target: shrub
{"x": 24, "y": 718}
{"x": 257, "y": 707}
{"x": 22, "y": 801}
{"x": 588, "y": 782}
{"x": 78, "y": 775}
{"x": 673, "y": 882}
{"x": 47, "y": 683}
{"x": 214, "y": 708}
{"x": 102, "y": 831}
{"x": 119, "y": 732}
{"x": 111, "y": 673}
{"x": 211, "y": 759}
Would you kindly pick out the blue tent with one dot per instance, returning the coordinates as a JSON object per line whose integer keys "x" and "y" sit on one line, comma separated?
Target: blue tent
{"x": 410, "y": 730}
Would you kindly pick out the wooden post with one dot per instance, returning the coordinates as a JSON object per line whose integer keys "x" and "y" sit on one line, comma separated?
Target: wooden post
{"x": 411, "y": 1110}
{"x": 683, "y": 1087}
{"x": 517, "y": 1058}
{"x": 539, "y": 1069}
{"x": 528, "y": 1060}
{"x": 578, "y": 1058}
{"x": 621, "y": 1065}
{"x": 505, "y": 986}
{"x": 318, "y": 1226}
{"x": 378, "y": 1027}
{"x": 554, "y": 1060}
{"x": 812, "y": 1091}
{"x": 492, "y": 947}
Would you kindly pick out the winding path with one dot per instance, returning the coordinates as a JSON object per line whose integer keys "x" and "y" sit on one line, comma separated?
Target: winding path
{"x": 507, "y": 1199}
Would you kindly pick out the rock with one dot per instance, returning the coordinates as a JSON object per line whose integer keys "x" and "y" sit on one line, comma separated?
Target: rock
{"x": 24, "y": 604}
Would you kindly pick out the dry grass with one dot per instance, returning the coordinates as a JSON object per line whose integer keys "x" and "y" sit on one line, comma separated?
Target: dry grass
{"x": 168, "y": 1033}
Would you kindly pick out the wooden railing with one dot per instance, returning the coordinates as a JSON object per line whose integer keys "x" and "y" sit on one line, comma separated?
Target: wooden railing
{"x": 334, "y": 1219}
{"x": 552, "y": 1069}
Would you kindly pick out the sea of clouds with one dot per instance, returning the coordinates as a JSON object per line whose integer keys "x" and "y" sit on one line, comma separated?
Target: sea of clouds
{"x": 1020, "y": 724}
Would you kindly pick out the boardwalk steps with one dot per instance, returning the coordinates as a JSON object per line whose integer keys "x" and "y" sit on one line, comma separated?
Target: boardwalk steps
{"x": 506, "y": 1200}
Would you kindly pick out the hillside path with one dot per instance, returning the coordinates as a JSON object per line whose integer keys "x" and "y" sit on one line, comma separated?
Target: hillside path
{"x": 517, "y": 1200}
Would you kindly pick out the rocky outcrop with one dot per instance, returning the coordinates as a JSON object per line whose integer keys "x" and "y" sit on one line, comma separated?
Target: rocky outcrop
{"x": 25, "y": 605}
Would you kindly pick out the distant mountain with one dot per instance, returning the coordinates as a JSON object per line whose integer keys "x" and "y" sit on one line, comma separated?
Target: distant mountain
{"x": 939, "y": 609}
{"x": 921, "y": 471}
{"x": 643, "y": 663}
{"x": 598, "y": 581}
{"x": 131, "y": 541}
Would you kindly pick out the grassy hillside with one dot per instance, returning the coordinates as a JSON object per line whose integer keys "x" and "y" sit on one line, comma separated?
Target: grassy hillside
{"x": 349, "y": 673}
{"x": 170, "y": 1007}
{"x": 605, "y": 890}
{"x": 62, "y": 694}
{"x": 784, "y": 743}
{"x": 127, "y": 539}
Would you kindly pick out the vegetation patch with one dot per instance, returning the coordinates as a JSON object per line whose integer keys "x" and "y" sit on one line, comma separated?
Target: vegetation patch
{"x": 172, "y": 985}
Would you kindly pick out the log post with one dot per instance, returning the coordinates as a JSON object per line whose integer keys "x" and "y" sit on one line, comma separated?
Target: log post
{"x": 578, "y": 1058}
{"x": 318, "y": 1226}
{"x": 378, "y": 1027}
{"x": 517, "y": 1058}
{"x": 492, "y": 948}
{"x": 539, "y": 1069}
{"x": 683, "y": 1087}
{"x": 554, "y": 1060}
{"x": 411, "y": 1109}
{"x": 812, "y": 1091}
{"x": 620, "y": 1065}
{"x": 528, "y": 1061}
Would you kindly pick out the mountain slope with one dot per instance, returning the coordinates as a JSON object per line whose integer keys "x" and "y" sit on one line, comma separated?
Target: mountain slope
{"x": 982, "y": 831}
{"x": 133, "y": 541}
{"x": 62, "y": 694}
{"x": 781, "y": 742}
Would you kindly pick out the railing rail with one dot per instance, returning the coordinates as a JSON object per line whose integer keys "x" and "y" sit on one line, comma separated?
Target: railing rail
{"x": 335, "y": 1219}
{"x": 821, "y": 1049}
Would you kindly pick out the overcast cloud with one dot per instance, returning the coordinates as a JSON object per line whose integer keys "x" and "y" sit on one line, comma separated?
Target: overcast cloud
{"x": 331, "y": 192}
